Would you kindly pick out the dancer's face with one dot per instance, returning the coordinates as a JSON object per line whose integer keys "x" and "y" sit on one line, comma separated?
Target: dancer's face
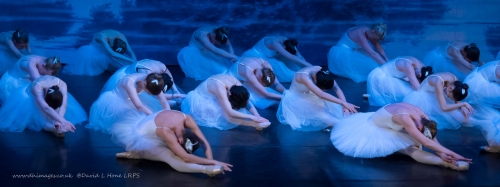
{"x": 449, "y": 92}
{"x": 20, "y": 45}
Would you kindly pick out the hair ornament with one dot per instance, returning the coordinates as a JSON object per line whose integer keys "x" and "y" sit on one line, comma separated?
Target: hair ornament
{"x": 18, "y": 33}
{"x": 155, "y": 81}
{"x": 55, "y": 60}
{"x": 189, "y": 146}
{"x": 463, "y": 91}
{"x": 223, "y": 36}
{"x": 119, "y": 50}
{"x": 51, "y": 90}
{"x": 427, "y": 133}
{"x": 268, "y": 79}
{"x": 326, "y": 72}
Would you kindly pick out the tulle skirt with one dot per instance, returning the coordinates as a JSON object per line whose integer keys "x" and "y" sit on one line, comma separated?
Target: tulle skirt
{"x": 200, "y": 64}
{"x": 93, "y": 60}
{"x": 441, "y": 63}
{"x": 384, "y": 89}
{"x": 307, "y": 112}
{"x": 111, "y": 108}
{"x": 358, "y": 136}
{"x": 482, "y": 91}
{"x": 429, "y": 104}
{"x": 206, "y": 110}
{"x": 131, "y": 132}
{"x": 283, "y": 68}
{"x": 490, "y": 123}
{"x": 9, "y": 84}
{"x": 7, "y": 59}
{"x": 353, "y": 64}
{"x": 20, "y": 111}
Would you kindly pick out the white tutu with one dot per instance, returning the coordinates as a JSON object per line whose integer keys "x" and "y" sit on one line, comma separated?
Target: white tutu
{"x": 358, "y": 136}
{"x": 111, "y": 108}
{"x": 442, "y": 62}
{"x": 9, "y": 84}
{"x": 260, "y": 101}
{"x": 429, "y": 104}
{"x": 201, "y": 63}
{"x": 384, "y": 89}
{"x": 481, "y": 90}
{"x": 307, "y": 112}
{"x": 490, "y": 123}
{"x": 93, "y": 59}
{"x": 7, "y": 59}
{"x": 347, "y": 59}
{"x": 30, "y": 115}
{"x": 206, "y": 110}
{"x": 137, "y": 132}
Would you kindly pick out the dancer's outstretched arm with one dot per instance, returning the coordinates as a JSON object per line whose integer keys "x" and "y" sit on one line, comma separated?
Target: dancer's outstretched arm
{"x": 191, "y": 124}
{"x": 13, "y": 48}
{"x": 410, "y": 73}
{"x": 278, "y": 47}
{"x": 129, "y": 87}
{"x": 221, "y": 94}
{"x": 258, "y": 87}
{"x": 104, "y": 42}
{"x": 211, "y": 47}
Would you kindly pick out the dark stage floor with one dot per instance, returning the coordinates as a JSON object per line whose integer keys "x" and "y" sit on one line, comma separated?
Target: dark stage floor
{"x": 277, "y": 156}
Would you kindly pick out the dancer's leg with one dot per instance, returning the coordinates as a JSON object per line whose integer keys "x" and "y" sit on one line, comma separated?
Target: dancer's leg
{"x": 432, "y": 159}
{"x": 164, "y": 154}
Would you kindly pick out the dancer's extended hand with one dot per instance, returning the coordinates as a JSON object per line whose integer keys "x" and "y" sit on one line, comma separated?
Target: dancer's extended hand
{"x": 457, "y": 157}
{"x": 465, "y": 111}
{"x": 350, "y": 107}
{"x": 445, "y": 157}
{"x": 226, "y": 166}
{"x": 259, "y": 119}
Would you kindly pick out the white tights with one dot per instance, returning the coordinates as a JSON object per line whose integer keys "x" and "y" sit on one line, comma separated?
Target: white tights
{"x": 163, "y": 154}
{"x": 422, "y": 156}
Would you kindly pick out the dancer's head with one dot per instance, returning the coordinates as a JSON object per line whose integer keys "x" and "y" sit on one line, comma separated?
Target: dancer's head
{"x": 119, "y": 46}
{"x": 238, "y": 97}
{"x": 51, "y": 67}
{"x": 471, "y": 53}
{"x": 429, "y": 128}
{"x": 190, "y": 142}
{"x": 458, "y": 91}
{"x": 324, "y": 79}
{"x": 168, "y": 82}
{"x": 291, "y": 46}
{"x": 20, "y": 39}
{"x": 221, "y": 35}
{"x": 154, "y": 83}
{"x": 423, "y": 73}
{"x": 377, "y": 32}
{"x": 54, "y": 97}
{"x": 266, "y": 76}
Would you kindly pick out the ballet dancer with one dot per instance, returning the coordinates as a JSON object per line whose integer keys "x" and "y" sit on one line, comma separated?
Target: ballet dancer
{"x": 439, "y": 97}
{"x": 46, "y": 105}
{"x": 12, "y": 42}
{"x": 257, "y": 76}
{"x": 455, "y": 57}
{"x": 202, "y": 58}
{"x": 173, "y": 95}
{"x": 283, "y": 55}
{"x": 353, "y": 57}
{"x": 109, "y": 50}
{"x": 163, "y": 136}
{"x": 386, "y": 84}
{"x": 113, "y": 106}
{"x": 484, "y": 96}
{"x": 307, "y": 106}
{"x": 220, "y": 102}
{"x": 398, "y": 127}
{"x": 27, "y": 69}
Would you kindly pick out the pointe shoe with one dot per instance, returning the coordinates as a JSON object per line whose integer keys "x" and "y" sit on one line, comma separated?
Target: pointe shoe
{"x": 212, "y": 171}
{"x": 366, "y": 96}
{"x": 459, "y": 166}
{"x": 262, "y": 125}
{"x": 128, "y": 155}
{"x": 490, "y": 149}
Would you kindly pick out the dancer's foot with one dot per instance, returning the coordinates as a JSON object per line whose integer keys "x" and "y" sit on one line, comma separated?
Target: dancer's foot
{"x": 490, "y": 149}
{"x": 212, "y": 171}
{"x": 459, "y": 165}
{"x": 262, "y": 125}
{"x": 128, "y": 155}
{"x": 366, "y": 96}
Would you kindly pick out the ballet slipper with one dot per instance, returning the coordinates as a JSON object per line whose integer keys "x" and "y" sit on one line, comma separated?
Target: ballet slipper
{"x": 128, "y": 155}
{"x": 262, "y": 125}
{"x": 490, "y": 149}
{"x": 459, "y": 165}
{"x": 212, "y": 171}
